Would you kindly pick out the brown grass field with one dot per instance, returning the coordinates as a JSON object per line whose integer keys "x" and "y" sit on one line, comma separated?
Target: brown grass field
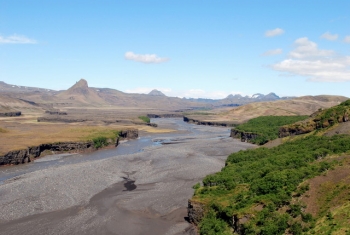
{"x": 24, "y": 131}
{"x": 299, "y": 106}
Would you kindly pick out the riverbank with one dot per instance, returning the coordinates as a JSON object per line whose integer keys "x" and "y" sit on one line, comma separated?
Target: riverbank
{"x": 28, "y": 154}
{"x": 145, "y": 192}
{"x": 209, "y": 123}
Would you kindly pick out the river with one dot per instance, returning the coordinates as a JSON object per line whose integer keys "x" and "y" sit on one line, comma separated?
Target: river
{"x": 140, "y": 187}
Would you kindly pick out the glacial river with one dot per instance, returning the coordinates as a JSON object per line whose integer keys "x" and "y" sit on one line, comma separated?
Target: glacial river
{"x": 140, "y": 187}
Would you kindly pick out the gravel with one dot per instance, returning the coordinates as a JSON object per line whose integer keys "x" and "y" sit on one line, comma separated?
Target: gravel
{"x": 89, "y": 197}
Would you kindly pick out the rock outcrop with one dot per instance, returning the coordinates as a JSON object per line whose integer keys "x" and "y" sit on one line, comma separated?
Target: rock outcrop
{"x": 55, "y": 112}
{"x": 315, "y": 122}
{"x": 129, "y": 134}
{"x": 10, "y": 114}
{"x": 244, "y": 136}
{"x": 168, "y": 115}
{"x": 29, "y": 154}
{"x": 195, "y": 212}
{"x": 207, "y": 123}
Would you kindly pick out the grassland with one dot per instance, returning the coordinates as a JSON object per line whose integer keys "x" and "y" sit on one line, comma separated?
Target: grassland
{"x": 21, "y": 135}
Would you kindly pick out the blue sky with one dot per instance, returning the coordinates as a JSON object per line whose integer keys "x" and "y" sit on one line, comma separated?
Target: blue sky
{"x": 193, "y": 48}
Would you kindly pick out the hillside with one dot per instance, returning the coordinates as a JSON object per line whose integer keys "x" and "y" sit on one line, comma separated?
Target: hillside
{"x": 322, "y": 119}
{"x": 276, "y": 192}
{"x": 80, "y": 95}
{"x": 263, "y": 191}
{"x": 298, "y": 187}
{"x": 9, "y": 104}
{"x": 298, "y": 106}
{"x": 305, "y": 105}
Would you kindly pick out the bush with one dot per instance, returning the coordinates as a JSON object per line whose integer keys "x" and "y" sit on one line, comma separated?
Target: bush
{"x": 267, "y": 127}
{"x": 100, "y": 142}
{"x": 145, "y": 119}
{"x": 267, "y": 177}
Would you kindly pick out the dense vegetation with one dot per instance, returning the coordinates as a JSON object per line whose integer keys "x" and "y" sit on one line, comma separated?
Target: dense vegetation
{"x": 259, "y": 185}
{"x": 145, "y": 119}
{"x": 321, "y": 119}
{"x": 267, "y": 127}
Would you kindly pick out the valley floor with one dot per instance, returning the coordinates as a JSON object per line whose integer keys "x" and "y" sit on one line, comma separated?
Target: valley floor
{"x": 145, "y": 192}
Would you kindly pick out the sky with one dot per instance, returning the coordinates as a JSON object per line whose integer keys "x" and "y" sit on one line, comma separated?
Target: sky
{"x": 184, "y": 48}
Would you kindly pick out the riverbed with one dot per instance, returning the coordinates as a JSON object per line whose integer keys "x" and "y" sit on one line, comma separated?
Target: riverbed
{"x": 140, "y": 187}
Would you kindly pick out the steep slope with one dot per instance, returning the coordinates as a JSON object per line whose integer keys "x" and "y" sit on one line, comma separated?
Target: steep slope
{"x": 81, "y": 93}
{"x": 9, "y": 104}
{"x": 320, "y": 120}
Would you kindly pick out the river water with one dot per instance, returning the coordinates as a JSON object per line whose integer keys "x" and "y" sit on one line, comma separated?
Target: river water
{"x": 126, "y": 147}
{"x": 140, "y": 187}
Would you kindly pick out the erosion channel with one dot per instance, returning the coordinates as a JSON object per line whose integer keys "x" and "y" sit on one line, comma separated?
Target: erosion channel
{"x": 141, "y": 187}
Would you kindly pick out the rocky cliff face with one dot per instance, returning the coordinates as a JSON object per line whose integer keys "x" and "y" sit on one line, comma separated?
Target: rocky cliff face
{"x": 244, "y": 136}
{"x": 169, "y": 115}
{"x": 10, "y": 114}
{"x": 207, "y": 123}
{"x": 195, "y": 211}
{"x": 314, "y": 123}
{"x": 55, "y": 112}
{"x": 27, "y": 155}
{"x": 129, "y": 134}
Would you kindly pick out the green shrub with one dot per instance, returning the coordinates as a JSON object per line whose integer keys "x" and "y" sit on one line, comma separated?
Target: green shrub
{"x": 196, "y": 186}
{"x": 145, "y": 119}
{"x": 268, "y": 177}
{"x": 267, "y": 127}
{"x": 100, "y": 142}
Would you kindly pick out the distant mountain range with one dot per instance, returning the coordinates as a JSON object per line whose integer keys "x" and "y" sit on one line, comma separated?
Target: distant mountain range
{"x": 237, "y": 100}
{"x": 81, "y": 95}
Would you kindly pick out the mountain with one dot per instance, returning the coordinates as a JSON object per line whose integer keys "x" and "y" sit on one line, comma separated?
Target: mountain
{"x": 237, "y": 99}
{"x": 257, "y": 96}
{"x": 155, "y": 92}
{"x": 8, "y": 88}
{"x": 82, "y": 93}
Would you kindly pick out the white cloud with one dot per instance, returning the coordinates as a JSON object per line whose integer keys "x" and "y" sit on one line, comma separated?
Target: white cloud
{"x": 315, "y": 64}
{"x": 16, "y": 39}
{"x": 273, "y": 52}
{"x": 274, "y": 32}
{"x": 146, "y": 58}
{"x": 329, "y": 36}
{"x": 347, "y": 39}
{"x": 304, "y": 48}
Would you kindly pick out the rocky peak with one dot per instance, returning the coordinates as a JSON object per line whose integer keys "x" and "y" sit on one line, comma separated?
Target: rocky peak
{"x": 155, "y": 92}
{"x": 272, "y": 95}
{"x": 81, "y": 83}
{"x": 79, "y": 87}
